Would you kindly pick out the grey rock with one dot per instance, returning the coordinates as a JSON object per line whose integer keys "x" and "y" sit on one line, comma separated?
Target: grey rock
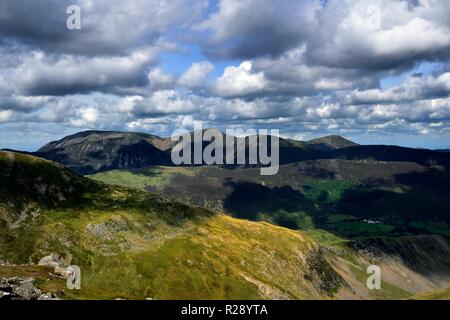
{"x": 21, "y": 289}
{"x": 26, "y": 290}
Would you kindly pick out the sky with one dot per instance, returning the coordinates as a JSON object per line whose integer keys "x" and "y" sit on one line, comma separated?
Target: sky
{"x": 374, "y": 71}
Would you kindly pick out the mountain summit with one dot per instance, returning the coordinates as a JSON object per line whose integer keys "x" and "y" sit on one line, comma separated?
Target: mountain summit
{"x": 334, "y": 142}
{"x": 94, "y": 151}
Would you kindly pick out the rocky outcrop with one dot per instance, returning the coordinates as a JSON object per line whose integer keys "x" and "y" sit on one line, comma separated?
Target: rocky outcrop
{"x": 321, "y": 274}
{"x": 59, "y": 263}
{"x": 22, "y": 289}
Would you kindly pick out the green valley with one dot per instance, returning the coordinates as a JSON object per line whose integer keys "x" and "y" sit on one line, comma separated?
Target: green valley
{"x": 213, "y": 232}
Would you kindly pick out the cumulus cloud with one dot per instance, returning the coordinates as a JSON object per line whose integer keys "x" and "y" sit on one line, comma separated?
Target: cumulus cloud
{"x": 86, "y": 117}
{"x": 196, "y": 75}
{"x": 379, "y": 34}
{"x": 366, "y": 34}
{"x": 158, "y": 79}
{"x": 161, "y": 102}
{"x": 415, "y": 87}
{"x": 239, "y": 81}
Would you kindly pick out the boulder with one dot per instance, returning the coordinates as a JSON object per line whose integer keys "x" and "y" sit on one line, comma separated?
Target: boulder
{"x": 22, "y": 289}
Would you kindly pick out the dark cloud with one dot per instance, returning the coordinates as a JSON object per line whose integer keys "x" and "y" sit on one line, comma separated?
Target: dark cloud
{"x": 108, "y": 26}
{"x": 40, "y": 75}
{"x": 250, "y": 29}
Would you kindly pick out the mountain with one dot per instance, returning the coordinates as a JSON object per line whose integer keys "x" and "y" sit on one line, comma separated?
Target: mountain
{"x": 25, "y": 178}
{"x": 94, "y": 151}
{"x": 97, "y": 151}
{"x": 392, "y": 153}
{"x": 134, "y": 245}
{"x": 333, "y": 142}
{"x": 317, "y": 180}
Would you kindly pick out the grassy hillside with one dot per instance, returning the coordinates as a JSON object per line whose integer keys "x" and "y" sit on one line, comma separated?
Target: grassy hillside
{"x": 349, "y": 199}
{"x": 133, "y": 244}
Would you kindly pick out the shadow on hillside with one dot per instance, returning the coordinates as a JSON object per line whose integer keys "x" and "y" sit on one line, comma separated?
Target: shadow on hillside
{"x": 427, "y": 255}
{"x": 424, "y": 196}
{"x": 436, "y": 180}
{"x": 282, "y": 205}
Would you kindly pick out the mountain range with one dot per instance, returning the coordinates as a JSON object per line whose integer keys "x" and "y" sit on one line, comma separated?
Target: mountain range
{"x": 140, "y": 227}
{"x": 96, "y": 151}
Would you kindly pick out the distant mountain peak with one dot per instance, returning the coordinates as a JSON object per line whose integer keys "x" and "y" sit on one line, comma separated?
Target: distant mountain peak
{"x": 92, "y": 151}
{"x": 334, "y": 141}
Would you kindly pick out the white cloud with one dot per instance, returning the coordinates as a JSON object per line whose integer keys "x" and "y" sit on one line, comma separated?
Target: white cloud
{"x": 87, "y": 117}
{"x": 413, "y": 88}
{"x": 158, "y": 79}
{"x": 127, "y": 104}
{"x": 196, "y": 75}
{"x": 332, "y": 84}
{"x": 239, "y": 81}
{"x": 6, "y": 115}
{"x": 164, "y": 102}
{"x": 415, "y": 37}
{"x": 377, "y": 34}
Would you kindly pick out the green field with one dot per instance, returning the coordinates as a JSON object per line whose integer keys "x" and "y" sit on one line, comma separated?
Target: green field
{"x": 347, "y": 208}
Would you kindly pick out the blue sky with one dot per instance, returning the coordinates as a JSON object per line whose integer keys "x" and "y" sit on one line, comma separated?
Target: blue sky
{"x": 425, "y": 68}
{"x": 373, "y": 71}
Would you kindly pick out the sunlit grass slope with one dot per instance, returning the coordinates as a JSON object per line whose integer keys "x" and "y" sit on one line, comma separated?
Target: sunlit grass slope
{"x": 135, "y": 245}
